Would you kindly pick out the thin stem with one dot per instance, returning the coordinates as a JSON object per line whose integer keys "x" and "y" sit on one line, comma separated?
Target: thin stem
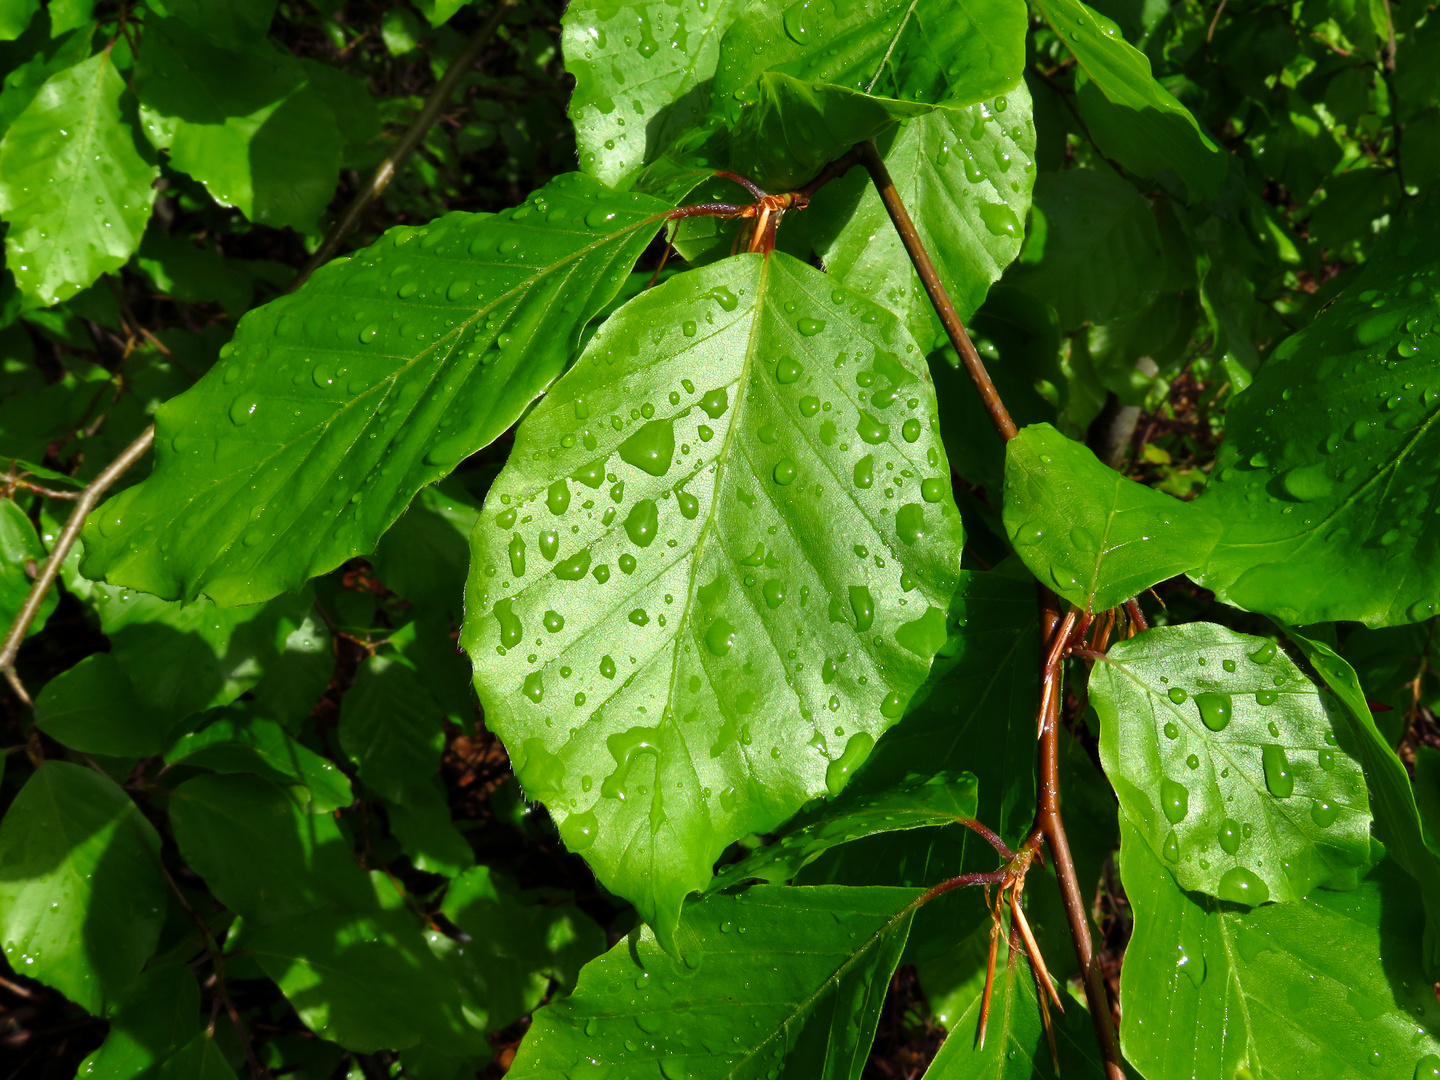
{"x": 960, "y": 881}
{"x": 1055, "y": 632}
{"x": 413, "y": 136}
{"x": 989, "y": 837}
{"x": 949, "y": 317}
{"x": 1137, "y": 617}
{"x": 83, "y": 505}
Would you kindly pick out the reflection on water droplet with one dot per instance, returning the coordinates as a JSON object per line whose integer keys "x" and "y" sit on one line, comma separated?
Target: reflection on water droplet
{"x": 579, "y": 832}
{"x": 1323, "y": 813}
{"x": 1264, "y": 654}
{"x": 910, "y": 522}
{"x": 1174, "y": 800}
{"x": 1241, "y": 886}
{"x": 865, "y": 471}
{"x": 787, "y": 370}
{"x": 838, "y": 774}
{"x": 1278, "y": 777}
{"x": 720, "y": 637}
{"x": 642, "y": 523}
{"x": 511, "y": 631}
{"x": 1215, "y": 710}
{"x": 1178, "y": 696}
{"x": 863, "y": 605}
{"x": 652, "y": 447}
{"x": 1230, "y": 836}
{"x": 871, "y": 429}
{"x": 784, "y": 471}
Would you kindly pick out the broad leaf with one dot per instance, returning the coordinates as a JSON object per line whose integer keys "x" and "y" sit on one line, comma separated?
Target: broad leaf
{"x": 1326, "y": 476}
{"x": 390, "y": 727}
{"x": 159, "y": 1013}
{"x": 294, "y": 681}
{"x": 814, "y": 964}
{"x": 1331, "y": 985}
{"x": 93, "y": 708}
{"x": 915, "y": 804}
{"x": 1089, "y": 533}
{"x": 424, "y": 555}
{"x": 82, "y": 895}
{"x": 334, "y": 405}
{"x": 748, "y": 462}
{"x": 233, "y": 742}
{"x": 74, "y": 187}
{"x": 1392, "y": 798}
{"x": 225, "y": 21}
{"x": 1092, "y": 251}
{"x": 22, "y": 84}
{"x": 199, "y": 1059}
{"x": 1130, "y": 115}
{"x": 965, "y": 175}
{"x": 423, "y": 826}
{"x": 15, "y": 16}
{"x": 246, "y": 124}
{"x": 1230, "y": 764}
{"x": 642, "y": 75}
{"x": 21, "y": 555}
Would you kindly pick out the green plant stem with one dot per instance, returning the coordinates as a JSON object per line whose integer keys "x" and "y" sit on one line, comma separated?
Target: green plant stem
{"x": 949, "y": 317}
{"x": 63, "y": 543}
{"x": 1056, "y": 631}
{"x": 413, "y": 136}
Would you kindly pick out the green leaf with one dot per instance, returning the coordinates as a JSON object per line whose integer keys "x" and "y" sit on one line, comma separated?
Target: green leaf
{"x": 356, "y": 113}
{"x": 366, "y": 982}
{"x": 1084, "y": 529}
{"x": 1392, "y": 798}
{"x": 1015, "y": 1044}
{"x": 22, "y": 84}
{"x": 814, "y": 964}
{"x": 965, "y": 175}
{"x": 1092, "y": 251}
{"x": 74, "y": 188}
{"x": 66, "y": 15}
{"x": 516, "y": 947}
{"x": 1212, "y": 989}
{"x": 641, "y": 71}
{"x": 20, "y": 547}
{"x": 192, "y": 274}
{"x": 918, "y": 803}
{"x": 223, "y": 21}
{"x": 390, "y": 727}
{"x": 426, "y": 833}
{"x": 93, "y": 708}
{"x": 713, "y": 437}
{"x": 245, "y": 124}
{"x": 294, "y": 681}
{"x": 402, "y": 360}
{"x": 424, "y": 555}
{"x": 439, "y": 12}
{"x": 1230, "y": 764}
{"x": 262, "y": 853}
{"x": 82, "y": 896}
{"x": 233, "y": 742}
{"x": 199, "y": 1059}
{"x": 157, "y": 1015}
{"x": 1131, "y": 116}
{"x": 1326, "y": 473}
{"x": 15, "y": 16}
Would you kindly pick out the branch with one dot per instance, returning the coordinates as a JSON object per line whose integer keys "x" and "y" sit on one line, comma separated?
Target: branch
{"x": 1056, "y": 633}
{"x": 414, "y": 134}
{"x": 949, "y": 317}
{"x": 83, "y": 505}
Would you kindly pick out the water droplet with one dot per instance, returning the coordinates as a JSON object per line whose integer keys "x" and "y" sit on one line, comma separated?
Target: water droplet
{"x": 689, "y": 505}
{"x": 784, "y": 471}
{"x": 1266, "y": 697}
{"x": 774, "y": 592}
{"x": 557, "y": 497}
{"x": 534, "y": 687}
{"x": 1193, "y": 761}
{"x": 1230, "y": 836}
{"x": 1174, "y": 800}
{"x": 1264, "y": 654}
{"x": 910, "y": 522}
{"x": 838, "y": 773}
{"x": 1428, "y": 1067}
{"x": 1178, "y": 696}
{"x": 1215, "y": 710}
{"x": 549, "y": 543}
{"x": 639, "y": 617}
{"x": 579, "y": 832}
{"x": 894, "y": 705}
{"x": 871, "y": 429}
{"x": 787, "y": 370}
{"x": 796, "y": 22}
{"x": 1326, "y": 758}
{"x": 1241, "y": 886}
{"x": 554, "y": 621}
{"x": 651, "y": 448}
{"x": 1172, "y": 730}
{"x": 810, "y": 327}
{"x": 642, "y": 523}
{"x": 724, "y": 297}
{"x": 1171, "y": 848}
{"x": 720, "y": 637}
{"x": 1278, "y": 777}
{"x": 242, "y": 409}
{"x": 1307, "y": 482}
{"x": 607, "y": 666}
{"x": 863, "y": 605}
{"x": 932, "y": 489}
{"x": 511, "y": 631}
{"x": 369, "y": 334}
{"x": 999, "y": 219}
{"x": 715, "y": 402}
{"x": 910, "y": 430}
{"x": 1323, "y": 813}
{"x": 517, "y": 555}
{"x": 574, "y": 568}
{"x": 865, "y": 471}
{"x": 599, "y": 217}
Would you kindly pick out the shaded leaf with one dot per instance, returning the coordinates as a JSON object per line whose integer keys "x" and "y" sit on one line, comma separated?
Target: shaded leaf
{"x": 93, "y": 708}
{"x": 224, "y": 21}
{"x": 815, "y": 963}
{"x": 158, "y": 1014}
{"x": 1085, "y": 530}
{"x": 294, "y": 681}
{"x": 426, "y": 832}
{"x": 766, "y": 523}
{"x": 1327, "y": 986}
{"x": 1326, "y": 477}
{"x": 15, "y": 16}
{"x": 82, "y": 896}
{"x": 402, "y": 360}
{"x": 390, "y": 727}
{"x": 70, "y": 219}
{"x": 20, "y": 554}
{"x": 914, "y": 804}
{"x": 1230, "y": 764}
{"x": 199, "y": 1059}
{"x": 424, "y": 555}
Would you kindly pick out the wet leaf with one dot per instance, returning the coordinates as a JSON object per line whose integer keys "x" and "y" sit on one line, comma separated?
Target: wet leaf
{"x": 746, "y": 466}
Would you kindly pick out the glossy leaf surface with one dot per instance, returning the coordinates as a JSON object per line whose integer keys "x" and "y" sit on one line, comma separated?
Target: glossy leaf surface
{"x": 1133, "y": 117}
{"x": 82, "y": 897}
{"x": 72, "y": 219}
{"x": 1327, "y": 477}
{"x": 1326, "y": 986}
{"x": 816, "y": 962}
{"x": 778, "y": 488}
{"x": 642, "y": 75}
{"x": 334, "y": 405}
{"x": 1230, "y": 764}
{"x": 917, "y": 804}
{"x": 965, "y": 175}
{"x": 1090, "y": 533}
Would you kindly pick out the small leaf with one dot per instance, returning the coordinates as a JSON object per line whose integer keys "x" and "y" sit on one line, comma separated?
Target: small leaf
{"x": 199, "y": 1059}
{"x": 439, "y": 12}
{"x": 916, "y": 804}
{"x": 93, "y": 708}
{"x": 1230, "y": 764}
{"x": 1086, "y": 531}
{"x": 635, "y": 93}
{"x": 401, "y": 361}
{"x": 1325, "y": 478}
{"x": 225, "y": 21}
{"x": 21, "y": 554}
{"x": 1092, "y": 251}
{"x": 1289, "y": 989}
{"x": 732, "y": 496}
{"x": 82, "y": 896}
{"x": 246, "y": 124}
{"x": 390, "y": 727}
{"x": 158, "y": 1014}
{"x": 814, "y": 964}
{"x": 71, "y": 219}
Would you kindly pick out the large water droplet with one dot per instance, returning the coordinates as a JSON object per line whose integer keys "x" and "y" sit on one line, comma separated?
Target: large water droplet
{"x": 642, "y": 523}
{"x": 1215, "y": 710}
{"x": 549, "y": 543}
{"x": 871, "y": 429}
{"x": 1241, "y": 886}
{"x": 910, "y": 522}
{"x": 787, "y": 370}
{"x": 1307, "y": 482}
{"x": 573, "y": 568}
{"x": 720, "y": 637}
{"x": 1323, "y": 813}
{"x": 1174, "y": 800}
{"x": 511, "y": 631}
{"x": 1230, "y": 836}
{"x": 580, "y": 830}
{"x": 1278, "y": 777}
{"x": 857, "y": 749}
{"x": 1000, "y": 220}
{"x": 796, "y": 21}
{"x": 715, "y": 402}
{"x": 865, "y": 471}
{"x": 534, "y": 687}
{"x": 1264, "y": 654}
{"x": 863, "y": 605}
{"x": 517, "y": 555}
{"x": 651, "y": 448}
{"x": 1177, "y": 695}
{"x": 557, "y": 497}
{"x": 784, "y": 471}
